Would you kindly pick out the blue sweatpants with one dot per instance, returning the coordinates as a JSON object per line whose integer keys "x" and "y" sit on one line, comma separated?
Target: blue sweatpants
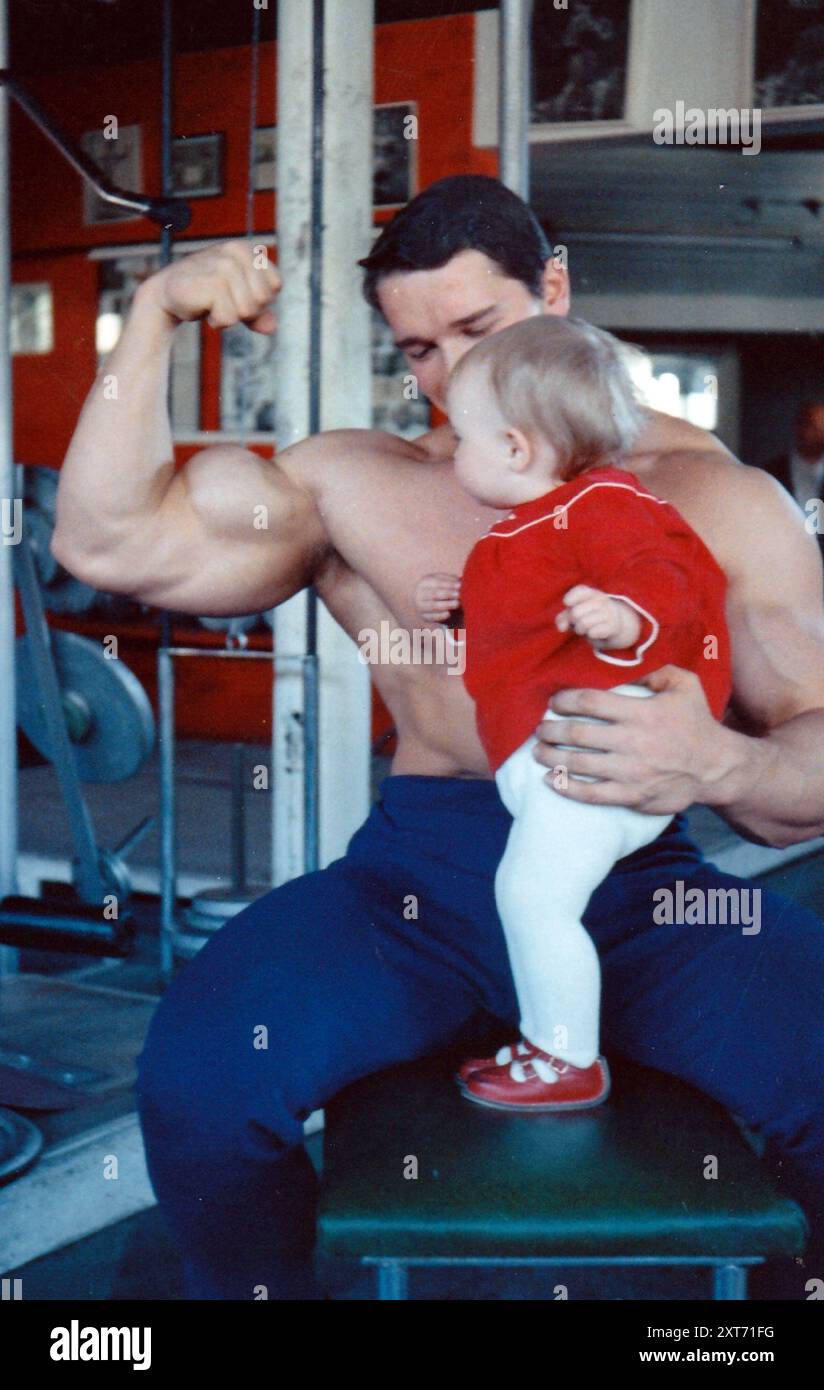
{"x": 349, "y": 974}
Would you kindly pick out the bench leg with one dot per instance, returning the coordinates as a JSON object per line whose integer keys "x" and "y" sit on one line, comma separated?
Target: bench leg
{"x": 393, "y": 1280}
{"x": 729, "y": 1282}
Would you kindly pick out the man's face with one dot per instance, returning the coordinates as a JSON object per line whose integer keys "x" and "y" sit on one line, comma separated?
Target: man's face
{"x": 437, "y": 315}
{"x": 810, "y": 432}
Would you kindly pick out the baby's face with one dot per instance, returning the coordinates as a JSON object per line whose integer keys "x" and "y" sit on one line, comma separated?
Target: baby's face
{"x": 482, "y": 456}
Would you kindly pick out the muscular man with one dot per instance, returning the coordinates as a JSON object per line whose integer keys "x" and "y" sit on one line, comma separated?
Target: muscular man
{"x": 329, "y": 963}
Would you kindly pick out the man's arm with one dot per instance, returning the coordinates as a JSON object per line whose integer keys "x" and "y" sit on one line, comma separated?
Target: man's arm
{"x": 229, "y": 532}
{"x": 663, "y": 755}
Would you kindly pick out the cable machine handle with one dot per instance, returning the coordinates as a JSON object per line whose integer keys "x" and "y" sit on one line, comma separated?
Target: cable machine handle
{"x": 167, "y": 212}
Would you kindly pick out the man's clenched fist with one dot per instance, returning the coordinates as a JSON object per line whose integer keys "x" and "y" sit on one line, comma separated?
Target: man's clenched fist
{"x": 234, "y": 282}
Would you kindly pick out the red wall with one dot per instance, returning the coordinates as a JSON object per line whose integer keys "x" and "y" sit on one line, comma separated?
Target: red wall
{"x": 429, "y": 62}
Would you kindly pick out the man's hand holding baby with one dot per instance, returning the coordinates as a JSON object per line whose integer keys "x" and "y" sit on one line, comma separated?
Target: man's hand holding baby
{"x": 606, "y": 622}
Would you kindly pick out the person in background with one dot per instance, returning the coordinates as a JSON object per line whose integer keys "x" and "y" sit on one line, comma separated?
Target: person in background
{"x": 802, "y": 470}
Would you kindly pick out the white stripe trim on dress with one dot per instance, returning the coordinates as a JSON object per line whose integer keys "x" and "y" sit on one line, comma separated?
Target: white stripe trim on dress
{"x": 564, "y": 507}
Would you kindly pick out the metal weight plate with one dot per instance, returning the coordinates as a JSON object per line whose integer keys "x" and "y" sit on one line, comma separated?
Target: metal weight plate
{"x": 65, "y": 594}
{"x": 62, "y": 593}
{"x": 39, "y": 529}
{"x": 20, "y": 1144}
{"x": 40, "y": 488}
{"x": 116, "y": 735}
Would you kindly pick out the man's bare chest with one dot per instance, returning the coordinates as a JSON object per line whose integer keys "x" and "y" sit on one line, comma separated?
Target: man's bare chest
{"x": 412, "y": 522}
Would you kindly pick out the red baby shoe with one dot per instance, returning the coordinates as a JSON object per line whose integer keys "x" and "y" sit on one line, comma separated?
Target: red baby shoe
{"x": 520, "y": 1049}
{"x": 540, "y": 1082}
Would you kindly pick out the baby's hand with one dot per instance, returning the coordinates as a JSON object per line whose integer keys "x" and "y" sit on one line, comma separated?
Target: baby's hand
{"x": 437, "y": 596}
{"x": 604, "y": 621}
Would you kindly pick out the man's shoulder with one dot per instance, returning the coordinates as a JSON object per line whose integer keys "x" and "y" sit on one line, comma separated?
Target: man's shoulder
{"x": 716, "y": 473}
{"x": 722, "y": 498}
{"x": 353, "y": 450}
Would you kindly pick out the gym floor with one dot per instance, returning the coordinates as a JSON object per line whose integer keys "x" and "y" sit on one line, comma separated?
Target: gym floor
{"x": 135, "y": 1258}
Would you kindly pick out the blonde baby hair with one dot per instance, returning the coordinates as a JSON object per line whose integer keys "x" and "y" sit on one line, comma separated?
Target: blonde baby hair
{"x": 565, "y": 380}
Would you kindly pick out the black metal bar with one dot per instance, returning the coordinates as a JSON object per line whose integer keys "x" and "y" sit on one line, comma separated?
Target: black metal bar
{"x": 238, "y": 823}
{"x": 32, "y": 923}
{"x": 166, "y": 211}
{"x": 166, "y": 132}
{"x": 165, "y": 662}
{"x": 253, "y": 104}
{"x": 311, "y": 688}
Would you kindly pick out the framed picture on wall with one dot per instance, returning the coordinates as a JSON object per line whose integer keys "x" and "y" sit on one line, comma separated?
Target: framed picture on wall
{"x": 247, "y": 381}
{"x": 394, "y": 406}
{"x": 118, "y": 160}
{"x": 265, "y": 161}
{"x": 789, "y": 57}
{"x": 580, "y": 57}
{"x": 31, "y": 318}
{"x": 586, "y": 59}
{"x": 197, "y": 165}
{"x": 395, "y": 146}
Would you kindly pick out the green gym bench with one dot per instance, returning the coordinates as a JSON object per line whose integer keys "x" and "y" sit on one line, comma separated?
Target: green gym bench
{"x": 621, "y": 1184}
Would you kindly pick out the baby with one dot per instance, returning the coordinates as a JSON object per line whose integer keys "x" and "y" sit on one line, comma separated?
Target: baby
{"x": 587, "y": 577}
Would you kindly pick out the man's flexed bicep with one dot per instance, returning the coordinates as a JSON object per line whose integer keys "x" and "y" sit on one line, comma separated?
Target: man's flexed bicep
{"x": 235, "y": 533}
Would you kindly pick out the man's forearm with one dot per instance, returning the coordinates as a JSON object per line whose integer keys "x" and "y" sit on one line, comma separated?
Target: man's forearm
{"x": 772, "y": 788}
{"x": 120, "y": 460}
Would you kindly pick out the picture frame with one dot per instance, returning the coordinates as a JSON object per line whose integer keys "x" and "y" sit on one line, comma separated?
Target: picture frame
{"x": 247, "y": 381}
{"x": 197, "y": 165}
{"x": 395, "y": 169}
{"x": 605, "y": 117}
{"x": 580, "y": 61}
{"x": 265, "y": 159}
{"x": 31, "y": 318}
{"x": 394, "y": 407}
{"x": 119, "y": 160}
{"x": 788, "y": 59}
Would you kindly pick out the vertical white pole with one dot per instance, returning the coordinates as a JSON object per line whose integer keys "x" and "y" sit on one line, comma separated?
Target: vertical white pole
{"x": 346, "y": 389}
{"x": 8, "y": 722}
{"x": 292, "y": 396}
{"x": 345, "y": 395}
{"x": 513, "y": 107}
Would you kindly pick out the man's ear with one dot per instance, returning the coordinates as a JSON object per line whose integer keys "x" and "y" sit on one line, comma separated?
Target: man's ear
{"x": 519, "y": 450}
{"x": 556, "y": 292}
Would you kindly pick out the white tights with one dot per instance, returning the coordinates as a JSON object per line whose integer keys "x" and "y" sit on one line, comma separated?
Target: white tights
{"x": 557, "y": 853}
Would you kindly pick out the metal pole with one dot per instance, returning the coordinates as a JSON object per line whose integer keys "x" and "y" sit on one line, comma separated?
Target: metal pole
{"x": 515, "y": 95}
{"x": 320, "y": 748}
{"x": 294, "y": 50}
{"x": 171, "y": 211}
{"x": 346, "y": 392}
{"x": 11, "y": 519}
{"x": 165, "y": 659}
{"x": 311, "y": 679}
{"x": 238, "y": 821}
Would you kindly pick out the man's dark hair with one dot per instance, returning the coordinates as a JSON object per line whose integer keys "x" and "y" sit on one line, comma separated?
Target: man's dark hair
{"x": 464, "y": 212}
